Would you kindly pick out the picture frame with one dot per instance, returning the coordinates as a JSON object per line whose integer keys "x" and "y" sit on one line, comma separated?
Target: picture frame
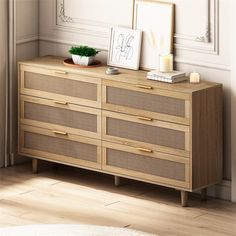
{"x": 156, "y": 20}
{"x": 125, "y": 48}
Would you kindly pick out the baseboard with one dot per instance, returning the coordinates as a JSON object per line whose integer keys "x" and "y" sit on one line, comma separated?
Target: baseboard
{"x": 221, "y": 191}
{"x": 18, "y": 159}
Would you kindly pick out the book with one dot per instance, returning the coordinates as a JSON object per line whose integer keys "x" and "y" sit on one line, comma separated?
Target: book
{"x": 166, "y": 80}
{"x": 170, "y": 75}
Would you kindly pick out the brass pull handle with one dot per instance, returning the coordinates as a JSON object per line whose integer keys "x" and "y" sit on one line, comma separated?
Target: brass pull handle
{"x": 59, "y": 132}
{"x": 144, "y": 86}
{"x": 61, "y": 72}
{"x": 144, "y": 118}
{"x": 144, "y": 150}
{"x": 60, "y": 102}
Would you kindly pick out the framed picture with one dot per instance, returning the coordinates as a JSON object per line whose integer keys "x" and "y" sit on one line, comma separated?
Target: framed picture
{"x": 156, "y": 20}
{"x": 125, "y": 48}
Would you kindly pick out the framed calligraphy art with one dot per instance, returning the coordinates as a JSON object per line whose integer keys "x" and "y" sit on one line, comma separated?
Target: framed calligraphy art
{"x": 125, "y": 47}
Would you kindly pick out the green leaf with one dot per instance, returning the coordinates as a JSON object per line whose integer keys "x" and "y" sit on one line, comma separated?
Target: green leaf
{"x": 83, "y": 51}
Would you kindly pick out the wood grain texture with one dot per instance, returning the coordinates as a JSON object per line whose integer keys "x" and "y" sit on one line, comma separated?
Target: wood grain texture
{"x": 49, "y": 114}
{"x": 63, "y": 86}
{"x": 37, "y": 150}
{"x": 155, "y": 103}
{"x": 166, "y": 127}
{"x": 128, "y": 168}
{"x": 189, "y": 126}
{"x": 127, "y": 76}
{"x": 74, "y": 196}
{"x": 184, "y": 198}
{"x": 207, "y": 128}
{"x": 35, "y": 165}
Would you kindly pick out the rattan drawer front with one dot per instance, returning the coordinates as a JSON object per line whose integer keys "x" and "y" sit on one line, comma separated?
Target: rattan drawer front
{"x": 152, "y": 166}
{"x": 60, "y": 146}
{"x": 160, "y": 136}
{"x": 58, "y": 115}
{"x": 53, "y": 84}
{"x": 148, "y": 101}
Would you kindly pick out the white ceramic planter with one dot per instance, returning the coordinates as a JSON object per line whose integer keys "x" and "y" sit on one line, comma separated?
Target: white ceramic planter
{"x": 83, "y": 61}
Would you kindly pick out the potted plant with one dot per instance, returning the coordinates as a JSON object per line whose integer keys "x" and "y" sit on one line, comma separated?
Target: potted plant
{"x": 83, "y": 55}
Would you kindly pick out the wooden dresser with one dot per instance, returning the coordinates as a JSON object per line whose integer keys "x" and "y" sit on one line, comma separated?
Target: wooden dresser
{"x": 124, "y": 125}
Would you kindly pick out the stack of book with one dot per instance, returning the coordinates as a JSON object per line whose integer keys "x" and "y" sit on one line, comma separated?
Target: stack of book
{"x": 172, "y": 77}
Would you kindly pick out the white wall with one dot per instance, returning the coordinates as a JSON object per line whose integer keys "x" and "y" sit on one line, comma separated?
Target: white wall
{"x": 26, "y": 42}
{"x": 58, "y": 30}
{"x": 27, "y": 28}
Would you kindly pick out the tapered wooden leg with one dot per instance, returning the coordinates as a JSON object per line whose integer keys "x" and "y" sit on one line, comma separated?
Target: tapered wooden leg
{"x": 117, "y": 181}
{"x": 204, "y": 194}
{"x": 184, "y": 198}
{"x": 35, "y": 164}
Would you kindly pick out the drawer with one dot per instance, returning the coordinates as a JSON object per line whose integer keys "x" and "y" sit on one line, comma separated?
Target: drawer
{"x": 60, "y": 115}
{"x": 144, "y": 165}
{"x": 142, "y": 131}
{"x": 59, "y": 146}
{"x": 145, "y": 100}
{"x": 60, "y": 85}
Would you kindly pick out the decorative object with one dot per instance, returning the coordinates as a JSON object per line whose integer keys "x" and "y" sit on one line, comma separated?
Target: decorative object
{"x": 195, "y": 78}
{"x": 152, "y": 132}
{"x": 69, "y": 62}
{"x": 156, "y": 20}
{"x": 83, "y": 55}
{"x": 125, "y": 46}
{"x": 69, "y": 229}
{"x": 61, "y": 13}
{"x": 166, "y": 63}
{"x": 173, "y": 77}
{"x": 112, "y": 71}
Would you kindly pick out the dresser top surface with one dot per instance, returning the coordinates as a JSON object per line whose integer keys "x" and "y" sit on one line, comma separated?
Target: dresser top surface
{"x": 126, "y": 76}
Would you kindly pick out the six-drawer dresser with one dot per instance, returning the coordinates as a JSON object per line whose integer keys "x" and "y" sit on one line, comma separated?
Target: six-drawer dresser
{"x": 124, "y": 125}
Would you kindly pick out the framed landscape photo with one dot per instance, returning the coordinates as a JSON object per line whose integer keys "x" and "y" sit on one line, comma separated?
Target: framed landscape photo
{"x": 125, "y": 48}
{"x": 156, "y": 20}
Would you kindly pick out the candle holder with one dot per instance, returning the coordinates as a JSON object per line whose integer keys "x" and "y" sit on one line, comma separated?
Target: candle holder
{"x": 166, "y": 64}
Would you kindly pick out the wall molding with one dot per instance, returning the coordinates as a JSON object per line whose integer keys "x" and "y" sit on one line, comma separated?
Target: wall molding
{"x": 202, "y": 38}
{"x": 221, "y": 191}
{"x": 27, "y": 39}
{"x": 9, "y": 159}
{"x": 76, "y": 25}
{"x": 203, "y": 64}
{"x": 177, "y": 59}
{"x": 207, "y": 43}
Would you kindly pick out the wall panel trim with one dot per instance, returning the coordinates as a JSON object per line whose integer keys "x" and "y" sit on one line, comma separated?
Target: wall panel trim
{"x": 221, "y": 191}
{"x": 27, "y": 39}
{"x": 207, "y": 43}
{"x": 177, "y": 59}
{"x": 203, "y": 64}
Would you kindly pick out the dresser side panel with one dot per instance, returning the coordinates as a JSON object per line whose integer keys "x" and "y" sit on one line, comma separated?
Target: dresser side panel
{"x": 207, "y": 141}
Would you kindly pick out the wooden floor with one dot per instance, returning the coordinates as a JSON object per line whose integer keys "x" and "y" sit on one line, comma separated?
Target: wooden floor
{"x": 69, "y": 195}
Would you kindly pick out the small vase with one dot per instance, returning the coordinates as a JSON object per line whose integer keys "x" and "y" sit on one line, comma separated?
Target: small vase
{"x": 83, "y": 61}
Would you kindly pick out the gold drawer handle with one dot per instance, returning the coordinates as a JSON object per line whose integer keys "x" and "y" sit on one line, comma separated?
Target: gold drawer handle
{"x": 144, "y": 150}
{"x": 144, "y": 86}
{"x": 59, "y": 132}
{"x": 144, "y": 118}
{"x": 60, "y": 102}
{"x": 61, "y": 72}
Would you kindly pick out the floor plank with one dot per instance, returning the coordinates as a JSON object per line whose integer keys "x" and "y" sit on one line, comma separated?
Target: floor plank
{"x": 73, "y": 196}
